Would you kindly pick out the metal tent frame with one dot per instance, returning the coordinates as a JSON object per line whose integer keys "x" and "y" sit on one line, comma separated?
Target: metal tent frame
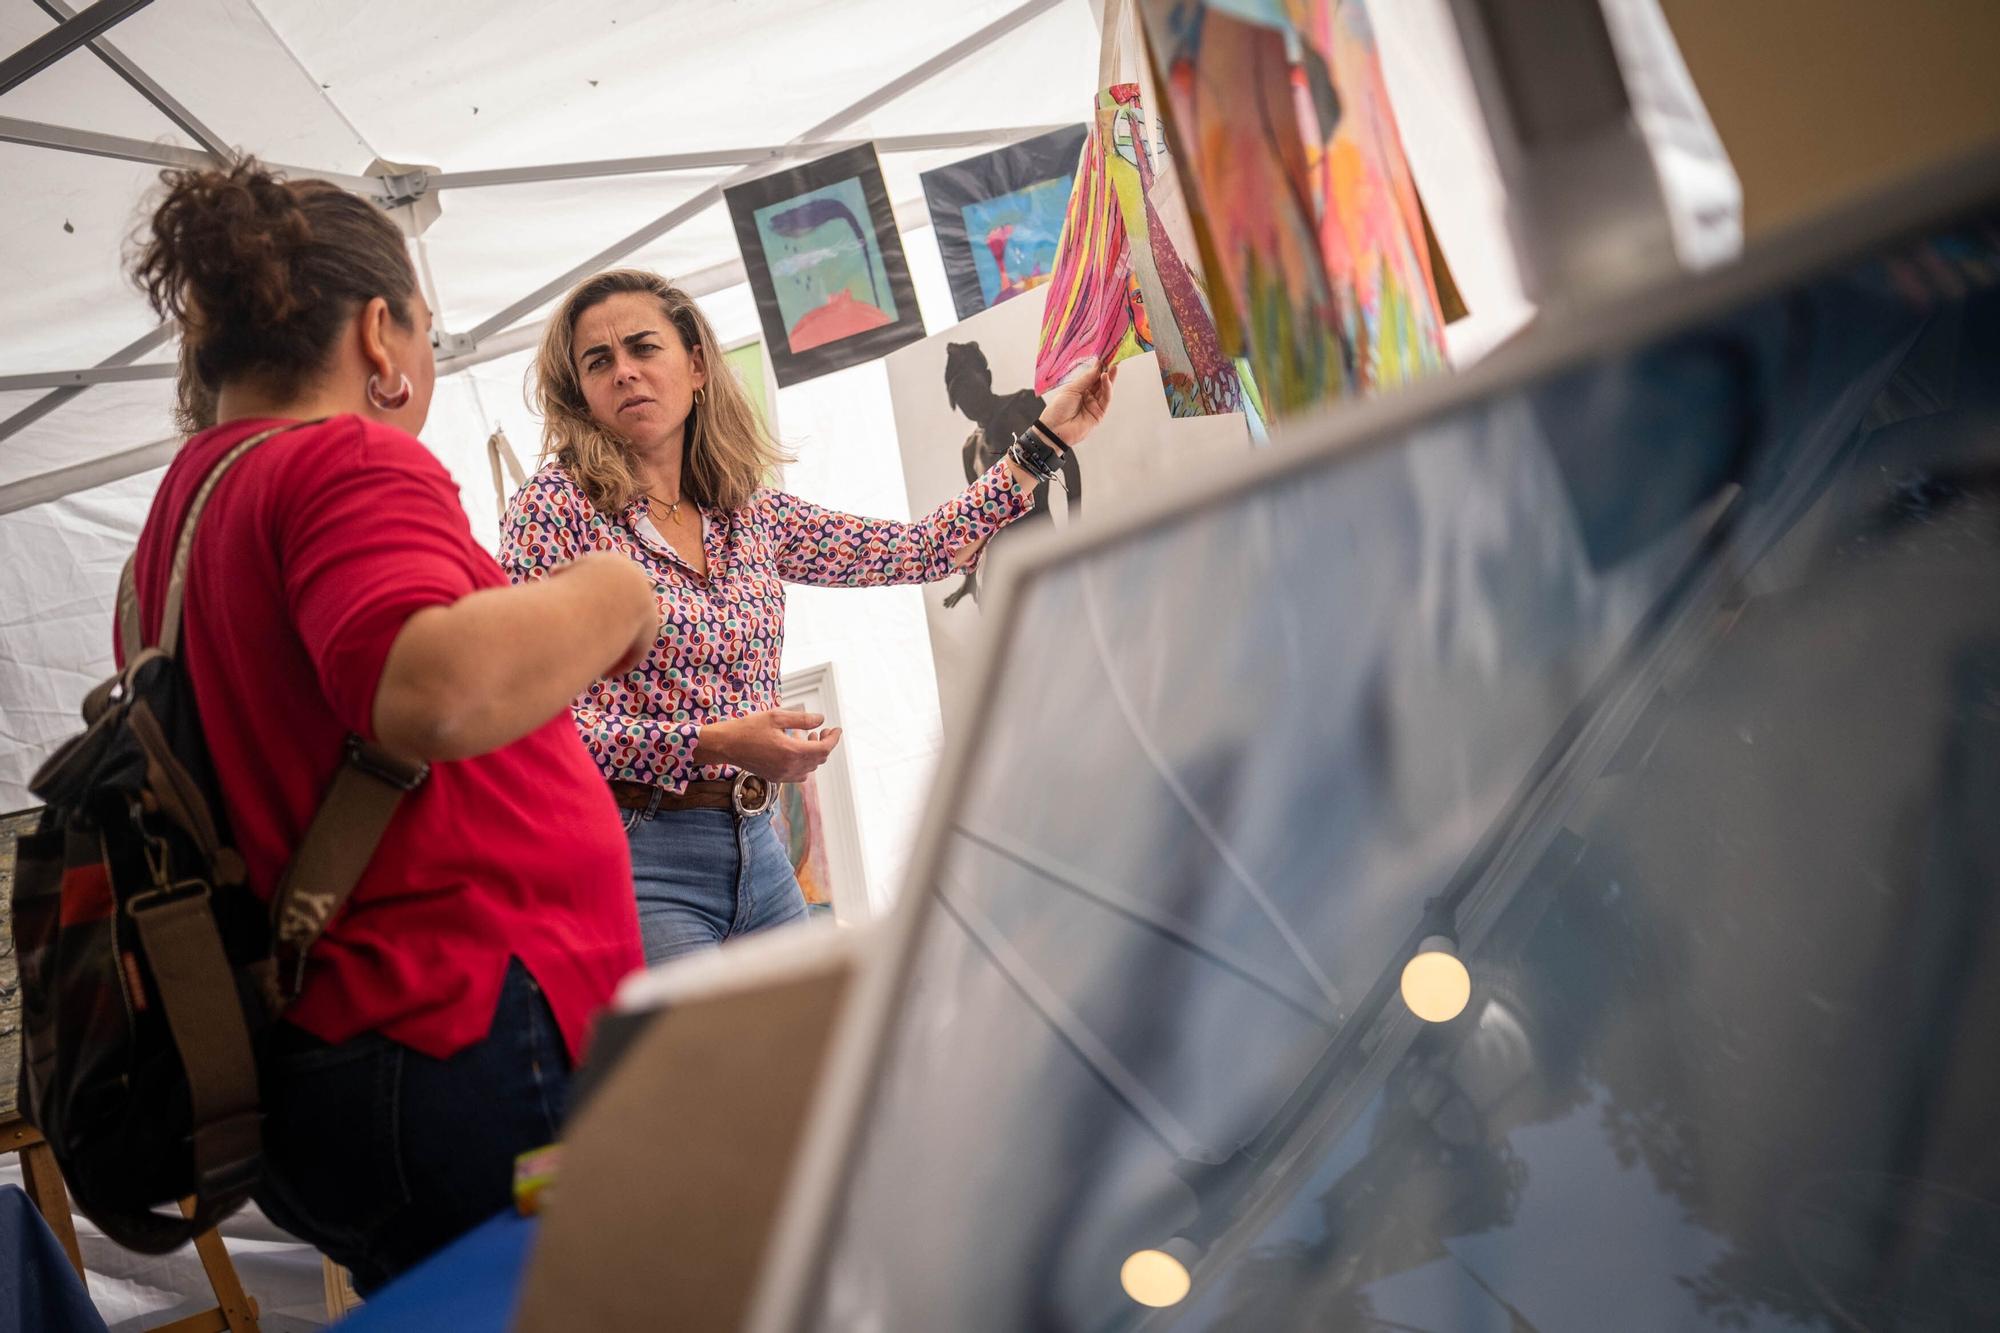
{"x": 401, "y": 192}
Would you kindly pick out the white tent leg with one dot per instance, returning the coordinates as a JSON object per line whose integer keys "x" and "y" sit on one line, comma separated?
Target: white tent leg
{"x": 36, "y": 134}
{"x": 768, "y": 155}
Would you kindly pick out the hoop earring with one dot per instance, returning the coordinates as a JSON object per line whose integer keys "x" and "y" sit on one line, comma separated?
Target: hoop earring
{"x": 388, "y": 402}
{"x": 697, "y": 395}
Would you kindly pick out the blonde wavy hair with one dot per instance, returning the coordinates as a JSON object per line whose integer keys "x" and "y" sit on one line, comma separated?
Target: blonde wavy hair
{"x": 729, "y": 453}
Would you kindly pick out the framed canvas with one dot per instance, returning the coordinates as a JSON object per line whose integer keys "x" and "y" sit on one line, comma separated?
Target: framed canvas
{"x": 815, "y": 818}
{"x": 998, "y": 216}
{"x": 825, "y": 264}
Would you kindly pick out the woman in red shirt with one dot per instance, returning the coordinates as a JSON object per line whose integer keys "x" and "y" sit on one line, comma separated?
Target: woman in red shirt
{"x": 335, "y": 589}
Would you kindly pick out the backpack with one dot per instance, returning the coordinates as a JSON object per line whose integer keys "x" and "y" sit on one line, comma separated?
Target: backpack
{"x": 149, "y": 969}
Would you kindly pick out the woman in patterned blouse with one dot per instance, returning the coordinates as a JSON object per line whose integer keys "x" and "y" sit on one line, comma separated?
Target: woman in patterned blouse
{"x": 652, "y": 452}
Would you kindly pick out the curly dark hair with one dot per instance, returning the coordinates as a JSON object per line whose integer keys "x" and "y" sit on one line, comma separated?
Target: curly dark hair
{"x": 261, "y": 272}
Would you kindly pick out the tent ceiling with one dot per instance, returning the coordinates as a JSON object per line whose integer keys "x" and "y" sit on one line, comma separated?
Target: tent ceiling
{"x": 333, "y": 86}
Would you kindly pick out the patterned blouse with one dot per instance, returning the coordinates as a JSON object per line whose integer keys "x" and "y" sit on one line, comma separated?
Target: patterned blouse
{"x": 721, "y": 636}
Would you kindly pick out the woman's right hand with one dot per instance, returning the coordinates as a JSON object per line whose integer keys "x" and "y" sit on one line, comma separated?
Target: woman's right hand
{"x": 1077, "y": 406}
{"x": 764, "y": 743}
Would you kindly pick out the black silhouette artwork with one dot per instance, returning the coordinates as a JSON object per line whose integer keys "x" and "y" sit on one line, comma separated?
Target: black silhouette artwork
{"x": 996, "y": 419}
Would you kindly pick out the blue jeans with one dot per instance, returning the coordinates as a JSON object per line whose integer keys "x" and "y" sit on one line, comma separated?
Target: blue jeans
{"x": 703, "y": 876}
{"x": 378, "y": 1155}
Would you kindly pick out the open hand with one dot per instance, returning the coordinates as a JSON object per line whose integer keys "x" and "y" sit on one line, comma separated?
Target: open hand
{"x": 1073, "y": 408}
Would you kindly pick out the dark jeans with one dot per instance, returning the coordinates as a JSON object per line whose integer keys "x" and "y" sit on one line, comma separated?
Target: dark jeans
{"x": 378, "y": 1155}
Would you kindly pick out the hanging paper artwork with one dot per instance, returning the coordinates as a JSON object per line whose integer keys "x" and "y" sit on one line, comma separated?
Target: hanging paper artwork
{"x": 825, "y": 264}
{"x": 998, "y": 216}
{"x": 1120, "y": 288}
{"x": 1302, "y": 200}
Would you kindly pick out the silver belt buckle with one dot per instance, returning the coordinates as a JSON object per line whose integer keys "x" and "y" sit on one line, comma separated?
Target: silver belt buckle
{"x": 766, "y": 793}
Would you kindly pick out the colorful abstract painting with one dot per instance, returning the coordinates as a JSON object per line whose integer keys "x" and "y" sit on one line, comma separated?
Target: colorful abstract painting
{"x": 1302, "y": 200}
{"x": 825, "y": 264}
{"x": 801, "y": 828}
{"x": 999, "y": 216}
{"x": 814, "y": 820}
{"x": 1120, "y": 288}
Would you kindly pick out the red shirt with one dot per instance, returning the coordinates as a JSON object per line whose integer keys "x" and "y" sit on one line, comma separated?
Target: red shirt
{"x": 313, "y": 552}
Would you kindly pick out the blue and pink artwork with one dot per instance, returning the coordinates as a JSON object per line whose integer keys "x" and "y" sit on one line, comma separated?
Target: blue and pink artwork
{"x": 999, "y": 215}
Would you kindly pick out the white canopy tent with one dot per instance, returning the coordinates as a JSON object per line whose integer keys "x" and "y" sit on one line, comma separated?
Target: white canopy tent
{"x": 561, "y": 139}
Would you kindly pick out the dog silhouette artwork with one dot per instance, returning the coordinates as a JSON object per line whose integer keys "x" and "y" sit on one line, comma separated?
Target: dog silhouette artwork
{"x": 996, "y": 419}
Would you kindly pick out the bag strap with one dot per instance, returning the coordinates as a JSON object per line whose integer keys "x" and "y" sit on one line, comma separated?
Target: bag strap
{"x": 131, "y": 631}
{"x": 170, "y": 619}
{"x": 191, "y": 970}
{"x": 336, "y": 848}
{"x": 197, "y": 989}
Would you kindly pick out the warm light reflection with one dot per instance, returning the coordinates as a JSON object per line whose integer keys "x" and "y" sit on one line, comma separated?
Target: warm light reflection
{"x": 1436, "y": 985}
{"x": 1155, "y": 1278}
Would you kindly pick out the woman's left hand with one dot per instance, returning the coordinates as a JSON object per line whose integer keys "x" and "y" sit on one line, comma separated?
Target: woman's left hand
{"x": 1073, "y": 408}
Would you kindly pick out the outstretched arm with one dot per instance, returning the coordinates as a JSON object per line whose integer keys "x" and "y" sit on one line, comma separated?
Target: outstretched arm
{"x": 823, "y": 546}
{"x": 412, "y": 644}
{"x": 464, "y": 679}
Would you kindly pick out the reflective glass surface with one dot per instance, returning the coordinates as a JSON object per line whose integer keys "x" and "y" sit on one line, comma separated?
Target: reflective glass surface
{"x": 1675, "y": 679}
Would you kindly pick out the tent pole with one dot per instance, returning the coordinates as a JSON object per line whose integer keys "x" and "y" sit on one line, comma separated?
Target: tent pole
{"x": 163, "y": 101}
{"x": 711, "y": 196}
{"x": 724, "y": 157}
{"x": 49, "y": 402}
{"x": 46, "y": 486}
{"x": 36, "y": 134}
{"x": 104, "y": 373}
{"x": 64, "y": 38}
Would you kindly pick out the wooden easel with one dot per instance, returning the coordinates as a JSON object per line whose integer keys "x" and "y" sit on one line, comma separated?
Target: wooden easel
{"x": 234, "y": 1312}
{"x": 44, "y": 1183}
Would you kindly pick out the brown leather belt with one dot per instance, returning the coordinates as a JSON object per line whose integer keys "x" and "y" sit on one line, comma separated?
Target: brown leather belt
{"x": 746, "y": 794}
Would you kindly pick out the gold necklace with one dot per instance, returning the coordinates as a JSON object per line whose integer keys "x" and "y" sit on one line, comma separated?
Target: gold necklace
{"x": 672, "y": 509}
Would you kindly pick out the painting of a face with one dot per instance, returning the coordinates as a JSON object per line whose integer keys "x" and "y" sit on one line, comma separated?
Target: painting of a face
{"x": 1142, "y": 328}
